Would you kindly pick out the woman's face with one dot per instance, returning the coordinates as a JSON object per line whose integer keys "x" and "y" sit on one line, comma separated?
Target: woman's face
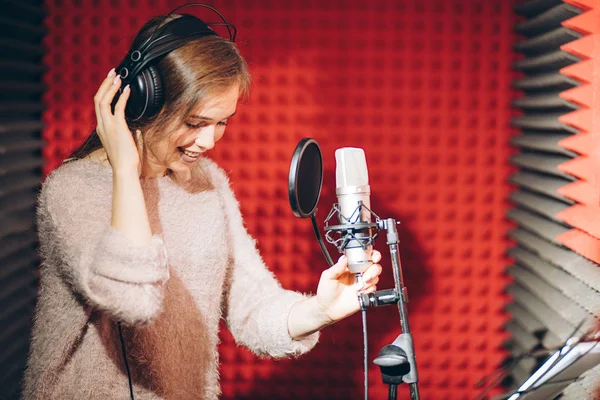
{"x": 198, "y": 134}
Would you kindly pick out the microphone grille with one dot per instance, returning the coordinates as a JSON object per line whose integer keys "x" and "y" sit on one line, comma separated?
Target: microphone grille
{"x": 351, "y": 167}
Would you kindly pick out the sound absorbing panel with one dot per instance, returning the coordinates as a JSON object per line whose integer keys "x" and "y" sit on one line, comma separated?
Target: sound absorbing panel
{"x": 586, "y": 388}
{"x": 556, "y": 290}
{"x": 21, "y": 88}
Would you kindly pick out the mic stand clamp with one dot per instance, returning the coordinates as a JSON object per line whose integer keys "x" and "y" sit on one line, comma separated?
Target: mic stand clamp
{"x": 379, "y": 298}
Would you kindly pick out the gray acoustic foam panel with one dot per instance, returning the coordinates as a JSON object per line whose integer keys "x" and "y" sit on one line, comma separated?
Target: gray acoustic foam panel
{"x": 21, "y": 105}
{"x": 555, "y": 292}
{"x": 545, "y": 82}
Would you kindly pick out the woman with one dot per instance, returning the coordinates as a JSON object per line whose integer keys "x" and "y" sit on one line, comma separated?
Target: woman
{"x": 142, "y": 229}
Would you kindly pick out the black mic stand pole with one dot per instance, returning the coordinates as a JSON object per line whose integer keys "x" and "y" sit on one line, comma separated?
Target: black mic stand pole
{"x": 397, "y": 360}
{"x": 405, "y": 340}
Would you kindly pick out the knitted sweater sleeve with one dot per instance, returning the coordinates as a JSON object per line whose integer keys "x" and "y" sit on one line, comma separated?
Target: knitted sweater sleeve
{"x": 256, "y": 307}
{"x": 105, "y": 268}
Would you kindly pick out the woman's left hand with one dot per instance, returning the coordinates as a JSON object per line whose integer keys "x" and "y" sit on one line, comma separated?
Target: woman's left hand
{"x": 337, "y": 294}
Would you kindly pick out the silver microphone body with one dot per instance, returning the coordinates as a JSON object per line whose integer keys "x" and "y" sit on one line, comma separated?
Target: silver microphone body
{"x": 353, "y": 190}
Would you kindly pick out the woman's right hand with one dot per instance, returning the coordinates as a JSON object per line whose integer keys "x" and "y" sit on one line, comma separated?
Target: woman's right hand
{"x": 115, "y": 135}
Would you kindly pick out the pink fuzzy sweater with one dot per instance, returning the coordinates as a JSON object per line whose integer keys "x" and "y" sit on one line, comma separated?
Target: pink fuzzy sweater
{"x": 201, "y": 266}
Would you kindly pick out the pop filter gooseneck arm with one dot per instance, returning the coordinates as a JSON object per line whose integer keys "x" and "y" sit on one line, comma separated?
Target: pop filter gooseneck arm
{"x": 304, "y": 185}
{"x": 320, "y": 239}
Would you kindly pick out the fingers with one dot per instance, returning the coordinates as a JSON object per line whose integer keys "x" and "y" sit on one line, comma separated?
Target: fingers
{"x": 368, "y": 285}
{"x": 370, "y": 279}
{"x": 367, "y": 289}
{"x": 376, "y": 256}
{"x": 370, "y": 276}
{"x": 336, "y": 270}
{"x": 372, "y": 272}
{"x": 107, "y": 98}
{"x": 104, "y": 86}
{"x": 101, "y": 116}
{"x": 121, "y": 103}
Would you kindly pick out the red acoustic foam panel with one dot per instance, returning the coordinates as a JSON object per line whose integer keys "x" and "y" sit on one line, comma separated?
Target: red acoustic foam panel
{"x": 583, "y": 143}
{"x": 583, "y": 217}
{"x": 583, "y": 238}
{"x": 586, "y": 47}
{"x": 581, "y": 95}
{"x": 583, "y": 4}
{"x": 581, "y": 167}
{"x": 582, "y": 119}
{"x": 582, "y": 243}
{"x": 425, "y": 88}
{"x": 588, "y": 22}
{"x": 582, "y": 192}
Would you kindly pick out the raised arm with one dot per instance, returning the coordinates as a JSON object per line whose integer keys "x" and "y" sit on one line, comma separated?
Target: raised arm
{"x": 102, "y": 237}
{"x": 129, "y": 214}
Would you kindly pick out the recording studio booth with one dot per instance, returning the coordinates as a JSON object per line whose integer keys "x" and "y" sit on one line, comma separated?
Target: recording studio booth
{"x": 480, "y": 122}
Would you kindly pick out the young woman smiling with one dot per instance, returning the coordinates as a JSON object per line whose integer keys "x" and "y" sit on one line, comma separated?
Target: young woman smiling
{"x": 145, "y": 248}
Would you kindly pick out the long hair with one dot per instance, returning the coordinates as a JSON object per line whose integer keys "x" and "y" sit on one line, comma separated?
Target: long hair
{"x": 202, "y": 67}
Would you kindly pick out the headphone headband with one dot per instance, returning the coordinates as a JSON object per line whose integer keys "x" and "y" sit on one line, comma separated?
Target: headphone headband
{"x": 225, "y": 23}
{"x": 173, "y": 35}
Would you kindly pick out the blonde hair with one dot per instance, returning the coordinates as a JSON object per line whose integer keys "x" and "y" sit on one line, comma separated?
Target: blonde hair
{"x": 203, "y": 67}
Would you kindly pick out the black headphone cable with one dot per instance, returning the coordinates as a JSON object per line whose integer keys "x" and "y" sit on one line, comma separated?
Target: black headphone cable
{"x": 125, "y": 359}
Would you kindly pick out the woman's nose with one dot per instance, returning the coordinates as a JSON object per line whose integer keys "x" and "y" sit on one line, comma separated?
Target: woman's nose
{"x": 206, "y": 140}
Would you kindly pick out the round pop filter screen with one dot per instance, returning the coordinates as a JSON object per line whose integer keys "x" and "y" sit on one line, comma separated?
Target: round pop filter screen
{"x": 306, "y": 178}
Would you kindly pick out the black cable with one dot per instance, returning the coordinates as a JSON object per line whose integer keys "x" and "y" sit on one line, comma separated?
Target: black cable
{"x": 126, "y": 362}
{"x": 366, "y": 352}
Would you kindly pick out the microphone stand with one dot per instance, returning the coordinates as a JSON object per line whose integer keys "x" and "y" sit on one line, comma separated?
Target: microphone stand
{"x": 397, "y": 360}
{"x": 393, "y": 358}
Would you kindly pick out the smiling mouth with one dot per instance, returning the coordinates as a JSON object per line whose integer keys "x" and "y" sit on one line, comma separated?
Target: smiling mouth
{"x": 193, "y": 154}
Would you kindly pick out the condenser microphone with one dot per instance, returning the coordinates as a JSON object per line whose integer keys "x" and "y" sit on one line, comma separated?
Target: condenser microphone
{"x": 354, "y": 206}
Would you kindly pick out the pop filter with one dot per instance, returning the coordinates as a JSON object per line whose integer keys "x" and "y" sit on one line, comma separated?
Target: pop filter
{"x": 304, "y": 185}
{"x": 306, "y": 178}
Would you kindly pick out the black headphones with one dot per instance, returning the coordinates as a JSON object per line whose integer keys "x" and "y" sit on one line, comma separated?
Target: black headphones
{"x": 138, "y": 69}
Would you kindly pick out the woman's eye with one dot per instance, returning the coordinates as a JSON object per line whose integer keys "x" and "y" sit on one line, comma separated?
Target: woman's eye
{"x": 192, "y": 126}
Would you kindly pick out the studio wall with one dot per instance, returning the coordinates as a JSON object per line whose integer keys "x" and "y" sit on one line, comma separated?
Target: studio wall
{"x": 424, "y": 87}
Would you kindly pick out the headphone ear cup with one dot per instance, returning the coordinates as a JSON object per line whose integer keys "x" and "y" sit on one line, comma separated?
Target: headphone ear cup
{"x": 147, "y": 95}
{"x": 155, "y": 92}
